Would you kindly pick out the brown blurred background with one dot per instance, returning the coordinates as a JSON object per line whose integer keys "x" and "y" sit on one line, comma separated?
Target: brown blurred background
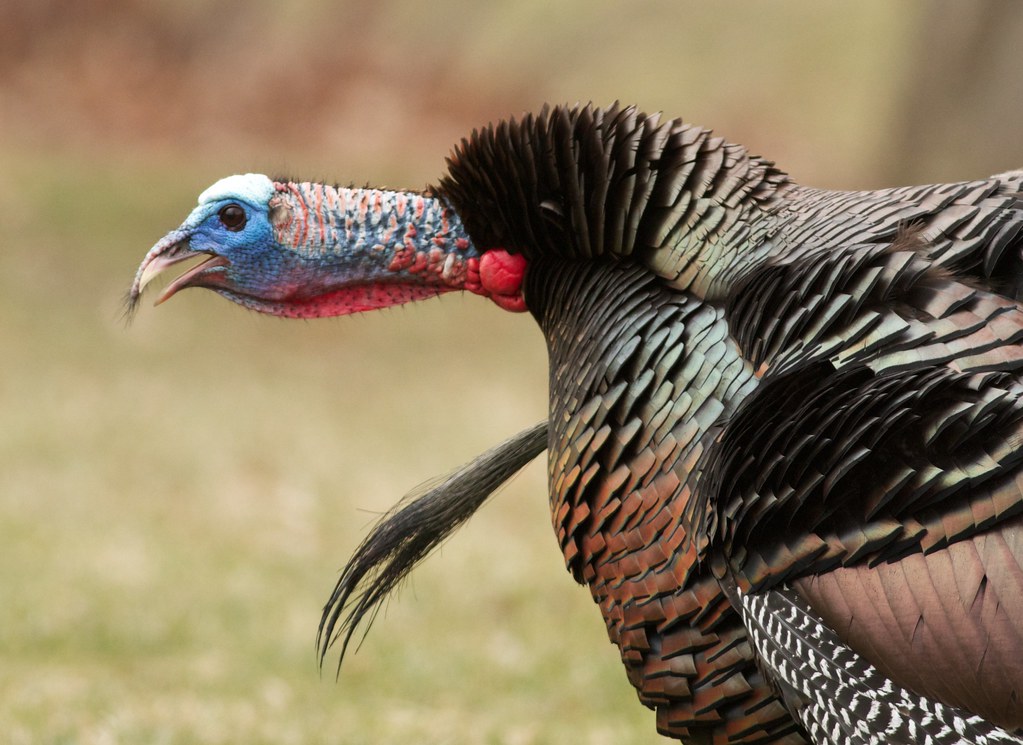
{"x": 177, "y": 496}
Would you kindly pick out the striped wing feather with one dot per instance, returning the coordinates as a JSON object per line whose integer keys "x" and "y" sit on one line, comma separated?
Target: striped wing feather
{"x": 948, "y": 625}
{"x": 878, "y": 467}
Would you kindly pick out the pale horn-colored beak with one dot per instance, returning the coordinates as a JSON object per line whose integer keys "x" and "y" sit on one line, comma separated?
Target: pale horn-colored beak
{"x": 170, "y": 250}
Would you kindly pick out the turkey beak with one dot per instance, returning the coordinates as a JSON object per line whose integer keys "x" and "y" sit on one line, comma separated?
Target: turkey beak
{"x": 172, "y": 249}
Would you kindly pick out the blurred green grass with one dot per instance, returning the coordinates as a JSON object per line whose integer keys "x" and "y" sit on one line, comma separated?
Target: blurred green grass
{"x": 177, "y": 496}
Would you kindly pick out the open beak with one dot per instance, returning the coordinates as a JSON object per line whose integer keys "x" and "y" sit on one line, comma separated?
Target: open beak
{"x": 172, "y": 249}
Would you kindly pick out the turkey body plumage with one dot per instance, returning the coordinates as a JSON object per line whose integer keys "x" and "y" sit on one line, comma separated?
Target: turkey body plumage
{"x": 784, "y": 435}
{"x": 758, "y": 389}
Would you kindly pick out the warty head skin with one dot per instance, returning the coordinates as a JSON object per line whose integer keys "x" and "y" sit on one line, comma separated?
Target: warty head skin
{"x": 311, "y": 250}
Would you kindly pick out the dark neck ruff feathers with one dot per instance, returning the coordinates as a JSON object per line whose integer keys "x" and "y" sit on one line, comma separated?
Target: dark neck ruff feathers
{"x": 584, "y": 182}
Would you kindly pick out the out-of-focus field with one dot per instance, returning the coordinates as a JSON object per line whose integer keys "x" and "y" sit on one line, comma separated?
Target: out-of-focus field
{"x": 177, "y": 496}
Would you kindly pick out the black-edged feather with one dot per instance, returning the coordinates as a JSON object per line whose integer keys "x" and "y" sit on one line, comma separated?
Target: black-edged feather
{"x": 822, "y": 467}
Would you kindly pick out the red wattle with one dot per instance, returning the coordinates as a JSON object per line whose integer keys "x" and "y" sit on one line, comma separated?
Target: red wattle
{"x": 498, "y": 275}
{"x": 501, "y": 273}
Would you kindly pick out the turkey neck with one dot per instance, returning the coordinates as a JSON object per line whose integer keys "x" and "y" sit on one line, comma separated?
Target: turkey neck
{"x": 413, "y": 232}
{"x": 396, "y": 246}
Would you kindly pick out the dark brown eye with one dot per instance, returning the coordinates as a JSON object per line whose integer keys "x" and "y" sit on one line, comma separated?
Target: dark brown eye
{"x": 233, "y": 217}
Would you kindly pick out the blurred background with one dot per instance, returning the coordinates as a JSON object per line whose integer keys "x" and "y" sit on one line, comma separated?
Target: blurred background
{"x": 176, "y": 497}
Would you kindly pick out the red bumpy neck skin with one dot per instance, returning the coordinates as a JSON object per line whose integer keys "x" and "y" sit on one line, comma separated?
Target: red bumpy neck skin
{"x": 398, "y": 247}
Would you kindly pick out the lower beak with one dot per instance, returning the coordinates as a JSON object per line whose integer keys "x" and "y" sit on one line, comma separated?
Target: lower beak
{"x": 172, "y": 249}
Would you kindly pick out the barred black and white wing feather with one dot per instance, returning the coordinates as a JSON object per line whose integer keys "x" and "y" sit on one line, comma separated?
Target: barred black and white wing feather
{"x": 840, "y": 698}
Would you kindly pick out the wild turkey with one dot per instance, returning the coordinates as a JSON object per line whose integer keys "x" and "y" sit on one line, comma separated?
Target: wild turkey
{"x": 785, "y": 423}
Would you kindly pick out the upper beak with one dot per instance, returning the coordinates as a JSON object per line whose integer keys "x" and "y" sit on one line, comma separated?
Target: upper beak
{"x": 172, "y": 249}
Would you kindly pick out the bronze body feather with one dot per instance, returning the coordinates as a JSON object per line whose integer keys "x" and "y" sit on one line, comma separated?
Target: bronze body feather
{"x": 763, "y": 386}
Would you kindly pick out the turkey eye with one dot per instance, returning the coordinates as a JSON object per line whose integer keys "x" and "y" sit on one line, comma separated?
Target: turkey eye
{"x": 233, "y": 217}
